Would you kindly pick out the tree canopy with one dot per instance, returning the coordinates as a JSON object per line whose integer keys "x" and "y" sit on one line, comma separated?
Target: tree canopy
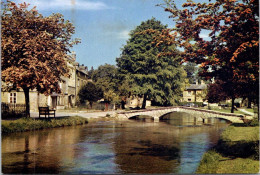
{"x": 105, "y": 77}
{"x": 34, "y": 49}
{"x": 159, "y": 77}
{"x": 90, "y": 92}
{"x": 230, "y": 53}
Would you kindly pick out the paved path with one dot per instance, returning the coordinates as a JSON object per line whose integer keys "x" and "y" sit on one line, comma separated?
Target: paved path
{"x": 245, "y": 111}
{"x": 79, "y": 113}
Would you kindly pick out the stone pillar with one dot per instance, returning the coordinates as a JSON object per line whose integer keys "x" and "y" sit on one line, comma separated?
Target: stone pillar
{"x": 156, "y": 119}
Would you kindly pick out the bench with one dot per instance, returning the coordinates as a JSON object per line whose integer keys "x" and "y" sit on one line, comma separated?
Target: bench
{"x": 46, "y": 111}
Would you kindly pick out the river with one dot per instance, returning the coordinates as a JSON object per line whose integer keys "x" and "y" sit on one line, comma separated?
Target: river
{"x": 134, "y": 146}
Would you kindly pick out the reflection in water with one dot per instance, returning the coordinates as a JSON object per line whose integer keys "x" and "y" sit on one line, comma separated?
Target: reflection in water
{"x": 172, "y": 146}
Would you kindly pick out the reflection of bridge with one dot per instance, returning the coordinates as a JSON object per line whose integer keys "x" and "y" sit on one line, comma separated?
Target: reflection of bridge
{"x": 158, "y": 113}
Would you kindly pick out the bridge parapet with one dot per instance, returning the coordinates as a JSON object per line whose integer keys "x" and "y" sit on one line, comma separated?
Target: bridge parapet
{"x": 203, "y": 113}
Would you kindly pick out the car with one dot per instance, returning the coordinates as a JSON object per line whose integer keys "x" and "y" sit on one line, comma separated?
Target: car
{"x": 189, "y": 105}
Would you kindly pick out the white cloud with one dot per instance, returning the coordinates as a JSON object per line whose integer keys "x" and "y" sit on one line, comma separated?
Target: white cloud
{"x": 123, "y": 34}
{"x": 68, "y": 4}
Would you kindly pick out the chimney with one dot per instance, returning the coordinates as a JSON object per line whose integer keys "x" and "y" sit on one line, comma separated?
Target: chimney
{"x": 202, "y": 82}
{"x": 197, "y": 82}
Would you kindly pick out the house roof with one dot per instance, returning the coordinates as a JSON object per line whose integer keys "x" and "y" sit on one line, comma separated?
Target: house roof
{"x": 197, "y": 87}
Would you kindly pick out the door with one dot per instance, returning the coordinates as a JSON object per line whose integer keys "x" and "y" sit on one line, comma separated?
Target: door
{"x": 54, "y": 102}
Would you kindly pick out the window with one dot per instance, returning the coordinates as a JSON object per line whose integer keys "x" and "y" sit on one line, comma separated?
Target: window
{"x": 12, "y": 97}
{"x": 189, "y": 92}
{"x": 189, "y": 99}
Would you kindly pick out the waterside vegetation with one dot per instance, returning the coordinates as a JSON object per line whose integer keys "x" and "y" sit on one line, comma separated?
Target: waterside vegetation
{"x": 236, "y": 152}
{"x": 30, "y": 124}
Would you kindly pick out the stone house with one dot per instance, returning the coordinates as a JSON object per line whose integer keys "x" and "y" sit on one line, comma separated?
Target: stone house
{"x": 195, "y": 92}
{"x": 136, "y": 102}
{"x": 66, "y": 99}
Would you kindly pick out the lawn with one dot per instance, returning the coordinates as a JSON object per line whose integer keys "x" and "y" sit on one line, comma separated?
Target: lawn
{"x": 29, "y": 124}
{"x": 226, "y": 110}
{"x": 237, "y": 152}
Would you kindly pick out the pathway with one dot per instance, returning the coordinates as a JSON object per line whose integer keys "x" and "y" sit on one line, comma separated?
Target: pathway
{"x": 84, "y": 114}
{"x": 245, "y": 111}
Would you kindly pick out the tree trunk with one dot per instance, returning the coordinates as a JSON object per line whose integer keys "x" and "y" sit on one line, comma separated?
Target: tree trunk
{"x": 233, "y": 105}
{"x": 27, "y": 101}
{"x": 90, "y": 103}
{"x": 123, "y": 104}
{"x": 144, "y": 101}
{"x": 249, "y": 102}
{"x": 106, "y": 106}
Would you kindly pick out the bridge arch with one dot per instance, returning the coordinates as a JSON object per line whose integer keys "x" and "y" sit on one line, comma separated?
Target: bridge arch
{"x": 141, "y": 117}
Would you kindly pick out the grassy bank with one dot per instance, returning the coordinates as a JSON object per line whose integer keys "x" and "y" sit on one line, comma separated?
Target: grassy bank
{"x": 237, "y": 152}
{"x": 29, "y": 124}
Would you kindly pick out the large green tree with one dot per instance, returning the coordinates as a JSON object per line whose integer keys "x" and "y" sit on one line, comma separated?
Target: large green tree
{"x": 230, "y": 53}
{"x": 90, "y": 92}
{"x": 33, "y": 49}
{"x": 159, "y": 77}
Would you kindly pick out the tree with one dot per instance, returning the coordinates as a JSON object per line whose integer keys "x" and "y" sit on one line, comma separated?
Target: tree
{"x": 105, "y": 78}
{"x": 34, "y": 49}
{"x": 230, "y": 53}
{"x": 90, "y": 92}
{"x": 216, "y": 93}
{"x": 150, "y": 74}
{"x": 192, "y": 72}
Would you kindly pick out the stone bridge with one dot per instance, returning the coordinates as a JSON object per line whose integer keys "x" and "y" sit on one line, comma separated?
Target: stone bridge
{"x": 158, "y": 113}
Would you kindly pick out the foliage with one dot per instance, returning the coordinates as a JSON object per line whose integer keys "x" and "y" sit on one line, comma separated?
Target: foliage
{"x": 90, "y": 92}
{"x": 29, "y": 124}
{"x": 216, "y": 92}
{"x": 105, "y": 78}
{"x": 230, "y": 52}
{"x": 33, "y": 49}
{"x": 254, "y": 122}
{"x": 192, "y": 72}
{"x": 158, "y": 77}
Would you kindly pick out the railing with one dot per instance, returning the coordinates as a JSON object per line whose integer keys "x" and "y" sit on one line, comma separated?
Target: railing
{"x": 10, "y": 110}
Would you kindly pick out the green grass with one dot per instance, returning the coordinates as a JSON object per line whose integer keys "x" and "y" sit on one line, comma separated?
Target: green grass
{"x": 234, "y": 134}
{"x": 29, "y": 124}
{"x": 237, "y": 152}
{"x": 249, "y": 109}
{"x": 227, "y": 110}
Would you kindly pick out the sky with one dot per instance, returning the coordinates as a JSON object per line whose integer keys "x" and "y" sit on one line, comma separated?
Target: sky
{"x": 102, "y": 25}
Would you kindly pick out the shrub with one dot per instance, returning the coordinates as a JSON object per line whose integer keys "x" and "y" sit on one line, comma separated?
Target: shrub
{"x": 254, "y": 122}
{"x": 29, "y": 124}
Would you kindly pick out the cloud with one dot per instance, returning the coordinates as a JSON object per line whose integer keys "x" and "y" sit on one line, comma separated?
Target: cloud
{"x": 123, "y": 34}
{"x": 68, "y": 4}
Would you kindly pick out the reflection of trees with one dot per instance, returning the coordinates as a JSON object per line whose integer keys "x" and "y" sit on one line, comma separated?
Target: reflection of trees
{"x": 39, "y": 151}
{"x": 142, "y": 149}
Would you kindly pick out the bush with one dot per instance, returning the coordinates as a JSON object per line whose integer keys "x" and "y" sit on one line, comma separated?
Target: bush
{"x": 254, "y": 122}
{"x": 29, "y": 124}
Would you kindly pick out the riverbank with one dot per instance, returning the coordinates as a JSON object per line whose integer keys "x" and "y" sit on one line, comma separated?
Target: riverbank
{"x": 29, "y": 124}
{"x": 237, "y": 151}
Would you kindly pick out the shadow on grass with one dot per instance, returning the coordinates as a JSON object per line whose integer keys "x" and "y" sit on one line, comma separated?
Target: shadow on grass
{"x": 239, "y": 149}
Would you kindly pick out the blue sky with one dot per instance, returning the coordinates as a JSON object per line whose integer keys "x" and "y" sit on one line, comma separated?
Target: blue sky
{"x": 102, "y": 25}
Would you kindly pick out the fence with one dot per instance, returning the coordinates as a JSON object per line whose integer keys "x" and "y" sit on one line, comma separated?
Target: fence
{"x": 9, "y": 110}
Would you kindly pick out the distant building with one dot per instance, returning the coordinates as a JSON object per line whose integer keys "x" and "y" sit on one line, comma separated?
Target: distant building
{"x": 136, "y": 102}
{"x": 66, "y": 99}
{"x": 195, "y": 92}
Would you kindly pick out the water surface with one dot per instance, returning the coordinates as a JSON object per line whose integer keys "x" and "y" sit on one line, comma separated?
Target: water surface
{"x": 133, "y": 146}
